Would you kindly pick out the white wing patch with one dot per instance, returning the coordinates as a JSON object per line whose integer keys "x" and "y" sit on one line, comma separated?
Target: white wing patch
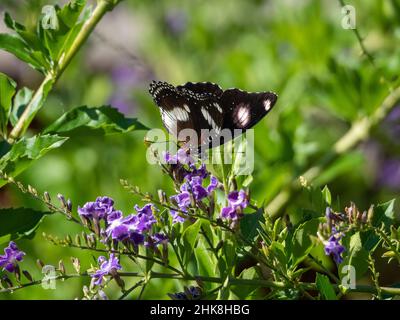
{"x": 218, "y": 107}
{"x": 180, "y": 114}
{"x": 243, "y": 115}
{"x": 267, "y": 104}
{"x": 169, "y": 122}
{"x": 208, "y": 118}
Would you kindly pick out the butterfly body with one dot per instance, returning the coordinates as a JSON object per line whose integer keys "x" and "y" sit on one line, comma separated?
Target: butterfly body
{"x": 207, "y": 115}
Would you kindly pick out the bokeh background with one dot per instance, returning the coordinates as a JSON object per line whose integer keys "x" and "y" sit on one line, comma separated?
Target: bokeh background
{"x": 295, "y": 48}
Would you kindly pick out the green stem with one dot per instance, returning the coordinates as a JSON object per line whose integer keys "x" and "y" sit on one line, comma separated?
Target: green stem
{"x": 38, "y": 98}
{"x": 232, "y": 281}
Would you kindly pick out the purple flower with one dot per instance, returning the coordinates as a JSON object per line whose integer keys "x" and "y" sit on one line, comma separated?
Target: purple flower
{"x": 334, "y": 248}
{"x": 12, "y": 255}
{"x": 213, "y": 184}
{"x": 106, "y": 267}
{"x": 190, "y": 293}
{"x": 182, "y": 200}
{"x": 237, "y": 201}
{"x": 114, "y": 216}
{"x": 177, "y": 217}
{"x": 133, "y": 226}
{"x": 229, "y": 213}
{"x": 197, "y": 172}
{"x": 100, "y": 209}
{"x": 181, "y": 157}
{"x": 156, "y": 239}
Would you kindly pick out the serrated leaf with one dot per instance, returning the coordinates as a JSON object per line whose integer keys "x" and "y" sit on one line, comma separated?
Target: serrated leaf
{"x": 63, "y": 32}
{"x": 14, "y": 45}
{"x": 25, "y": 151}
{"x": 109, "y": 119}
{"x": 16, "y": 223}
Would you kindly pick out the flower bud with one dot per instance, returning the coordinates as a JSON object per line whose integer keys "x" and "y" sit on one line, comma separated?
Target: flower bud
{"x": 27, "y": 275}
{"x": 370, "y": 214}
{"x": 61, "y": 267}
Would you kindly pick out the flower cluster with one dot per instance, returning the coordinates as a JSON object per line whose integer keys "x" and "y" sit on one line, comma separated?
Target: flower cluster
{"x": 193, "y": 189}
{"x": 330, "y": 234}
{"x": 132, "y": 227}
{"x": 107, "y": 267}
{"x": 97, "y": 210}
{"x": 237, "y": 201}
{"x": 190, "y": 293}
{"x": 334, "y": 248}
{"x": 12, "y": 255}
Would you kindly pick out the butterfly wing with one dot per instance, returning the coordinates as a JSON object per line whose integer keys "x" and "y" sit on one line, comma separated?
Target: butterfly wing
{"x": 242, "y": 110}
{"x": 191, "y": 106}
{"x": 207, "y": 110}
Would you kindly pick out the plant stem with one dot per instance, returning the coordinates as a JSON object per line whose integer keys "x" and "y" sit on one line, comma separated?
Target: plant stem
{"x": 38, "y": 98}
{"x": 232, "y": 281}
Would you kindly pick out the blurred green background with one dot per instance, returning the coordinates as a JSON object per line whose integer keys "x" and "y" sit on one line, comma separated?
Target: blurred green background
{"x": 295, "y": 48}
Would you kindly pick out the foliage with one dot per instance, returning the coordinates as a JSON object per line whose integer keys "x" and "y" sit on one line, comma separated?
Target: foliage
{"x": 330, "y": 141}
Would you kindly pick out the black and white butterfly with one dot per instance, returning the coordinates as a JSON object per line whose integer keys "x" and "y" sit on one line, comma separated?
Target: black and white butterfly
{"x": 208, "y": 111}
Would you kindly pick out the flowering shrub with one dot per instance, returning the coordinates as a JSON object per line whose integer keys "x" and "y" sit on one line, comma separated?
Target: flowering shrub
{"x": 210, "y": 236}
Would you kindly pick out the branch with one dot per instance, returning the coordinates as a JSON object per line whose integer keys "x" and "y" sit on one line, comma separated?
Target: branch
{"x": 48, "y": 82}
{"x": 357, "y": 133}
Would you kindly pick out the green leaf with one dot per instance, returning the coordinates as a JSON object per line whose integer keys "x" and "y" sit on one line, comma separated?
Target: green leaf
{"x": 383, "y": 213}
{"x": 16, "y": 223}
{"x": 250, "y": 223}
{"x": 205, "y": 260}
{"x": 26, "y": 150}
{"x": 325, "y": 287}
{"x": 357, "y": 255}
{"x": 21, "y": 100}
{"x": 301, "y": 241}
{"x": 14, "y": 45}
{"x": 189, "y": 237}
{"x": 7, "y": 91}
{"x": 327, "y": 195}
{"x": 57, "y": 40}
{"x": 109, "y": 119}
{"x": 244, "y": 292}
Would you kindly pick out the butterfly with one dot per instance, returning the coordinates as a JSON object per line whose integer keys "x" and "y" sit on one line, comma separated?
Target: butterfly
{"x": 207, "y": 116}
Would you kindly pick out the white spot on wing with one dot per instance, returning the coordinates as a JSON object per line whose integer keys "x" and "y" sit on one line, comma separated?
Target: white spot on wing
{"x": 208, "y": 118}
{"x": 267, "y": 104}
{"x": 218, "y": 107}
{"x": 243, "y": 115}
{"x": 180, "y": 114}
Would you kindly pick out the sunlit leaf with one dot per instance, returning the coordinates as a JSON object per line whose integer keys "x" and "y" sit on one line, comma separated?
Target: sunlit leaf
{"x": 16, "y": 223}
{"x": 106, "y": 118}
